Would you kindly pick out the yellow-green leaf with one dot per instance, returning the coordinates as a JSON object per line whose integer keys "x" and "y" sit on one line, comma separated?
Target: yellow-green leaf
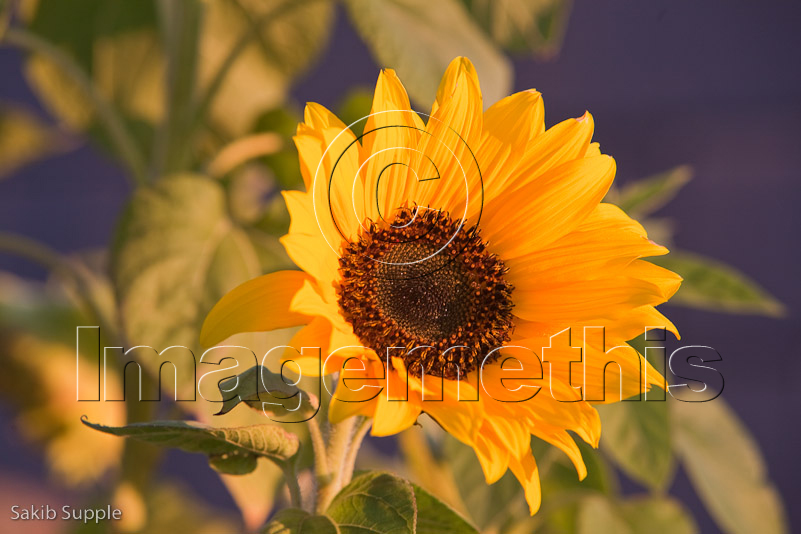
{"x": 636, "y": 435}
{"x": 712, "y": 285}
{"x": 655, "y": 515}
{"x": 524, "y": 26}
{"x": 176, "y": 253}
{"x": 726, "y": 468}
{"x": 645, "y": 196}
{"x": 419, "y": 38}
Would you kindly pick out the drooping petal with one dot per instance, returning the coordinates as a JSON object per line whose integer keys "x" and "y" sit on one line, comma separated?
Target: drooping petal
{"x": 398, "y": 406}
{"x": 257, "y": 305}
{"x": 564, "y": 441}
{"x": 526, "y": 472}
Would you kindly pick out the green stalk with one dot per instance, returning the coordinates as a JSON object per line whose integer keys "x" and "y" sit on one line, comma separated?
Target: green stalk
{"x": 291, "y": 477}
{"x": 362, "y": 428}
{"x": 318, "y": 445}
{"x": 329, "y": 483}
{"x": 180, "y": 24}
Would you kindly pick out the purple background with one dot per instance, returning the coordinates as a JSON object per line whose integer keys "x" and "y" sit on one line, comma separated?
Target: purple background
{"x": 713, "y": 84}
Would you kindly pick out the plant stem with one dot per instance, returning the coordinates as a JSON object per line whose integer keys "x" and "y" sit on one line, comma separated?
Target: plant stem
{"x": 350, "y": 459}
{"x": 291, "y": 477}
{"x": 330, "y": 482}
{"x": 25, "y": 247}
{"x": 115, "y": 126}
{"x": 180, "y": 24}
{"x": 318, "y": 445}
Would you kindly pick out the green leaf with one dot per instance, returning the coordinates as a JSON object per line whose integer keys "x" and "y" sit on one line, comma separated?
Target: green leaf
{"x": 655, "y": 515}
{"x": 263, "y": 390}
{"x": 296, "y": 521}
{"x": 636, "y": 435}
{"x": 726, "y": 468}
{"x": 501, "y": 507}
{"x": 524, "y": 26}
{"x": 645, "y": 196}
{"x": 375, "y": 503}
{"x": 408, "y": 36}
{"x": 711, "y": 285}
{"x": 176, "y": 252}
{"x": 382, "y": 503}
{"x": 488, "y": 505}
{"x": 597, "y": 515}
{"x": 232, "y": 451}
{"x": 436, "y": 517}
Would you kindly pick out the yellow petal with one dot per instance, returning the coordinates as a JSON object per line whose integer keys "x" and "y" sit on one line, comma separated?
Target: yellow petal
{"x": 602, "y": 241}
{"x": 561, "y": 439}
{"x": 257, "y": 305}
{"x": 360, "y": 385}
{"x": 509, "y": 125}
{"x": 635, "y": 322}
{"x": 308, "y": 300}
{"x": 453, "y": 132}
{"x": 667, "y": 281}
{"x": 397, "y": 408}
{"x": 526, "y": 472}
{"x": 308, "y": 349}
{"x": 494, "y": 460}
{"x": 586, "y": 300}
{"x": 304, "y": 220}
{"x": 312, "y": 254}
{"x": 391, "y": 133}
{"x": 567, "y": 141}
{"x": 329, "y": 160}
{"x": 548, "y": 208}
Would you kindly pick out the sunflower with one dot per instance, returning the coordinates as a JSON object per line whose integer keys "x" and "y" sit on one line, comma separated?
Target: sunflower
{"x": 455, "y": 260}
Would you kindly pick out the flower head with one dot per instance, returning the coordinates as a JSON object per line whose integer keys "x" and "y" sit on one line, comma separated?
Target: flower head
{"x": 445, "y": 257}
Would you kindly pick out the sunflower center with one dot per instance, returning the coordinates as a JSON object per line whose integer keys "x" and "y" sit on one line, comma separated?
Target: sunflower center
{"x": 427, "y": 285}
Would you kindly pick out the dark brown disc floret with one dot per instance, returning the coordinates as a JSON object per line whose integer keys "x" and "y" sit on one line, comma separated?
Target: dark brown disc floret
{"x": 429, "y": 285}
